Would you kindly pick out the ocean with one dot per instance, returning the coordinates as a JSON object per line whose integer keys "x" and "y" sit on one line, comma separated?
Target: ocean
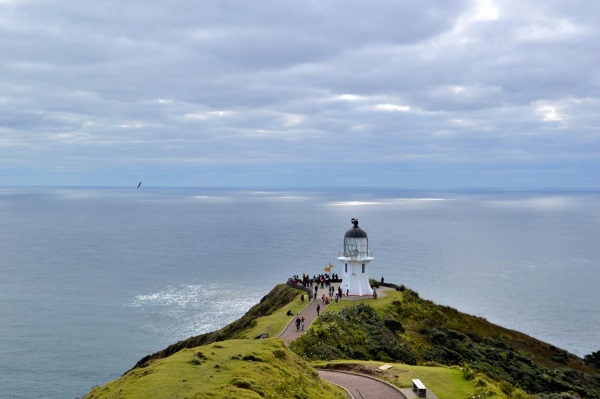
{"x": 94, "y": 279}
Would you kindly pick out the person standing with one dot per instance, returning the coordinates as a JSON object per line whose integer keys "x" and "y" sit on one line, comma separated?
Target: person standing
{"x": 302, "y": 324}
{"x": 318, "y": 309}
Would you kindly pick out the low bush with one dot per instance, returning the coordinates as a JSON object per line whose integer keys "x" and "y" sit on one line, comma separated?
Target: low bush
{"x": 394, "y": 325}
{"x": 593, "y": 359}
{"x": 355, "y": 332}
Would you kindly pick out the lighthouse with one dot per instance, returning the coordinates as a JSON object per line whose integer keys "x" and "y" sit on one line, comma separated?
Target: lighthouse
{"x": 355, "y": 258}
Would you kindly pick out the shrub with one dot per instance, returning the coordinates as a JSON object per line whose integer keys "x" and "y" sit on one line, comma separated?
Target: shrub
{"x": 393, "y": 325}
{"x": 355, "y": 332}
{"x": 252, "y": 358}
{"x": 374, "y": 283}
{"x": 593, "y": 359}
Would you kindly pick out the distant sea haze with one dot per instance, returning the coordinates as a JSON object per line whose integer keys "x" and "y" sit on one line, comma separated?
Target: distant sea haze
{"x": 94, "y": 279}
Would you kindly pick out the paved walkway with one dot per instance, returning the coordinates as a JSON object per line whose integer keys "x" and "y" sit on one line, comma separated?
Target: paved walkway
{"x": 362, "y": 386}
{"x": 359, "y": 386}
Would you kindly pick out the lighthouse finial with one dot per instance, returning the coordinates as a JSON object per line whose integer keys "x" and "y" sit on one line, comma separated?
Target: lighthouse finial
{"x": 355, "y": 223}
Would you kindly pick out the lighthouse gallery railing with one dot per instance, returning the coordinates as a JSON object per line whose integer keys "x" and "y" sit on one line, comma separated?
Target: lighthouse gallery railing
{"x": 355, "y": 254}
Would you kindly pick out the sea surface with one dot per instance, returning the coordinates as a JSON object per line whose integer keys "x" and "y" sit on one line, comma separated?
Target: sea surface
{"x": 94, "y": 279}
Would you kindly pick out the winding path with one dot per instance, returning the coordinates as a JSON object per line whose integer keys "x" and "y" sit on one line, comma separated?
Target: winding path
{"x": 358, "y": 385}
{"x": 362, "y": 386}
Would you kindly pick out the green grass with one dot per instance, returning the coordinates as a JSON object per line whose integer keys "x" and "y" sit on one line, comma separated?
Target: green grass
{"x": 382, "y": 302}
{"x": 444, "y": 382}
{"x": 237, "y": 369}
{"x": 274, "y": 323}
{"x": 402, "y": 327}
{"x": 397, "y": 327}
{"x": 277, "y": 321}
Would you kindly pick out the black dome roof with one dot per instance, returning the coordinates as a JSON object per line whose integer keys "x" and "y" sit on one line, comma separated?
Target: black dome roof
{"x": 355, "y": 232}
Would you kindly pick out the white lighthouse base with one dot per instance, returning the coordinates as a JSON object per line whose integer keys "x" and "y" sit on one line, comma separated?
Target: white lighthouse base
{"x": 356, "y": 287}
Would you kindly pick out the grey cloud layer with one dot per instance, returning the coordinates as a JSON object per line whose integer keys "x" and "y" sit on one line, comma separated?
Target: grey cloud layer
{"x": 137, "y": 84}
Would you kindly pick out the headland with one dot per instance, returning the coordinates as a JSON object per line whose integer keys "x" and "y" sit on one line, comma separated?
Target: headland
{"x": 455, "y": 354}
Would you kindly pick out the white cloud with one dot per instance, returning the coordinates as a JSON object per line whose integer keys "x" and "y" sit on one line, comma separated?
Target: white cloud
{"x": 131, "y": 125}
{"x": 485, "y": 10}
{"x": 202, "y": 116}
{"x": 549, "y": 113}
{"x": 391, "y": 107}
{"x": 350, "y": 97}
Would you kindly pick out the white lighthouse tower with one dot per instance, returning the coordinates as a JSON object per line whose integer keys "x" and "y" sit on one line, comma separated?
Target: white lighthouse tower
{"x": 356, "y": 257}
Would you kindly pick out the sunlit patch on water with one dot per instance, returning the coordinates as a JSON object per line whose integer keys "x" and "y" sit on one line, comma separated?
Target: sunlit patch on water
{"x": 355, "y": 203}
{"x": 187, "y": 310}
{"x": 393, "y": 201}
{"x": 537, "y": 203}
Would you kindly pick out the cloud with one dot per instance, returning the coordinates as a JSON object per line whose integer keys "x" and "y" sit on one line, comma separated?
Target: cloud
{"x": 129, "y": 85}
{"x": 392, "y": 107}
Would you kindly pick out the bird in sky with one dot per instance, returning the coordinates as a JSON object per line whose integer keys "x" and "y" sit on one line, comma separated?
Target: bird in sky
{"x": 139, "y": 184}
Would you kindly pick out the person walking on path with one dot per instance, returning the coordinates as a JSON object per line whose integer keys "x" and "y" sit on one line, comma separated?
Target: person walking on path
{"x": 309, "y": 313}
{"x": 297, "y": 323}
{"x": 318, "y": 309}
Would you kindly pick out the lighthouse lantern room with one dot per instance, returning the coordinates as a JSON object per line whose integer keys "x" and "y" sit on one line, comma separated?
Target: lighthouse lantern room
{"x": 355, "y": 258}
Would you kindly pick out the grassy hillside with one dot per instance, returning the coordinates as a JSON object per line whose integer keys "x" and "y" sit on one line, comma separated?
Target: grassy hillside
{"x": 405, "y": 328}
{"x": 233, "y": 369}
{"x": 457, "y": 355}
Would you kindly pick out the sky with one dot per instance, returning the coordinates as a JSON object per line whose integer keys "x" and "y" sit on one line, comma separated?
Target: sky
{"x": 300, "y": 93}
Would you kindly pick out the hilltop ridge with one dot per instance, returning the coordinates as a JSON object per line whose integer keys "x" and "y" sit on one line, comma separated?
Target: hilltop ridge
{"x": 402, "y": 329}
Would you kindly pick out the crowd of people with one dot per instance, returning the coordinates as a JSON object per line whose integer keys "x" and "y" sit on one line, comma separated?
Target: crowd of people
{"x": 322, "y": 280}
